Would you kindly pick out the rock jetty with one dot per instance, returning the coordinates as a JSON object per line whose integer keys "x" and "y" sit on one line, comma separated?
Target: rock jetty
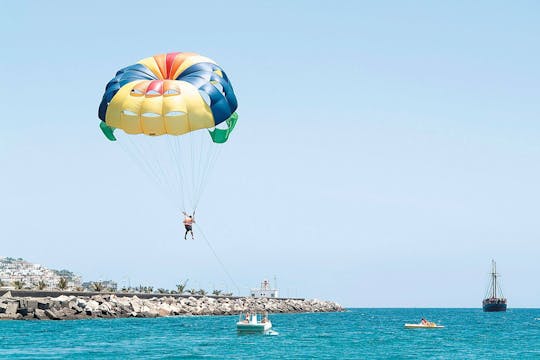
{"x": 65, "y": 307}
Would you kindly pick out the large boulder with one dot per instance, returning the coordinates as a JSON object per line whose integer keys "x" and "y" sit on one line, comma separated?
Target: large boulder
{"x": 30, "y": 304}
{"x": 165, "y": 309}
{"x": 136, "y": 304}
{"x": 40, "y": 314}
{"x": 77, "y": 309}
{"x": 91, "y": 307}
{"x": 105, "y": 308}
{"x": 99, "y": 298}
{"x": 11, "y": 308}
{"x": 51, "y": 314}
{"x": 63, "y": 298}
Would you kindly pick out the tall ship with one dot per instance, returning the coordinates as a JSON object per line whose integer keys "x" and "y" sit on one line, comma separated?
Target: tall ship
{"x": 494, "y": 300}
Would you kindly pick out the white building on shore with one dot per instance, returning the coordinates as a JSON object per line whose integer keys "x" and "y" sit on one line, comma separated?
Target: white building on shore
{"x": 265, "y": 291}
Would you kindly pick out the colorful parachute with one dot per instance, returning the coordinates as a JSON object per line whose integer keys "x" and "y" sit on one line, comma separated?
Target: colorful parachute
{"x": 177, "y": 95}
{"x": 171, "y": 94}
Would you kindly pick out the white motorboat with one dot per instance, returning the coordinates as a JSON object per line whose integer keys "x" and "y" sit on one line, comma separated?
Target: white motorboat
{"x": 253, "y": 323}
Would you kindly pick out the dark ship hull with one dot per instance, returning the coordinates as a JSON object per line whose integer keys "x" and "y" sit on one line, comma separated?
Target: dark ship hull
{"x": 493, "y": 306}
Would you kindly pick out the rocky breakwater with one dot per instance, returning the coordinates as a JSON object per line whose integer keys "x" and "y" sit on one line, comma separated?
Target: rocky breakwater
{"x": 112, "y": 306}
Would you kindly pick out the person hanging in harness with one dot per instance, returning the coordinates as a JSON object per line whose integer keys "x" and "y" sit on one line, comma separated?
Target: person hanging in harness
{"x": 188, "y": 224}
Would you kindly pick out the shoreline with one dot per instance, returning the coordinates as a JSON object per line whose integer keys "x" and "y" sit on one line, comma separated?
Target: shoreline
{"x": 123, "y": 305}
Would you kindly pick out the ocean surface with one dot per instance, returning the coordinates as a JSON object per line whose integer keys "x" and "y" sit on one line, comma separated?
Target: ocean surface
{"x": 355, "y": 334}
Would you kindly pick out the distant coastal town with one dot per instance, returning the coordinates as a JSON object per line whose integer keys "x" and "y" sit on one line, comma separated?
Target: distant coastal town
{"x": 19, "y": 274}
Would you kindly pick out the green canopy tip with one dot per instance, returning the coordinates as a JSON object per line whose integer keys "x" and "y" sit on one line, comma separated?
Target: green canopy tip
{"x": 108, "y": 131}
{"x": 220, "y": 136}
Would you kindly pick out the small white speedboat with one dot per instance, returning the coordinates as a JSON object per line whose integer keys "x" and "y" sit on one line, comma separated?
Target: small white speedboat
{"x": 253, "y": 323}
{"x": 431, "y": 325}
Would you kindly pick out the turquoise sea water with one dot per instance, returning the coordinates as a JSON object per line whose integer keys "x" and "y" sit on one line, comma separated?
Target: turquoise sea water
{"x": 356, "y": 334}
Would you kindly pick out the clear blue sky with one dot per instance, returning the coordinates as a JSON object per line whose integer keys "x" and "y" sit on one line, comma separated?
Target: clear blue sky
{"x": 385, "y": 151}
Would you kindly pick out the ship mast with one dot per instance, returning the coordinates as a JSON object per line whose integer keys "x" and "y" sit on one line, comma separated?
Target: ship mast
{"x": 494, "y": 278}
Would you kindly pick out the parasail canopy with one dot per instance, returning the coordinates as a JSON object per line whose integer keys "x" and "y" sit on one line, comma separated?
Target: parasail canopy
{"x": 173, "y": 94}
